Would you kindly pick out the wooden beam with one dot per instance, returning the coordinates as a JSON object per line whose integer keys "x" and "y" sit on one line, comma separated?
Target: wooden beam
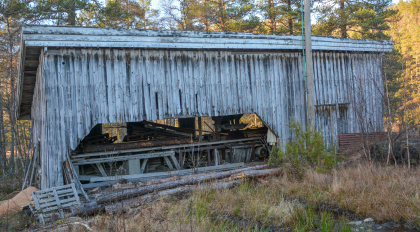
{"x": 173, "y": 173}
{"x": 122, "y": 158}
{"x": 113, "y": 152}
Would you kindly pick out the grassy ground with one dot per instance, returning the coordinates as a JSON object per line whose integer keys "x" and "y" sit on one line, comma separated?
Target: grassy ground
{"x": 382, "y": 193}
{"x": 250, "y": 206}
{"x": 279, "y": 203}
{"x": 285, "y": 203}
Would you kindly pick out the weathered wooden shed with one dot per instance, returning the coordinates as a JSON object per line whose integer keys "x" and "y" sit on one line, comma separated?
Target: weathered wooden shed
{"x": 72, "y": 78}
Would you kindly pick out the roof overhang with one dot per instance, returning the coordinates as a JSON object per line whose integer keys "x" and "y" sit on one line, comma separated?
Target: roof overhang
{"x": 34, "y": 38}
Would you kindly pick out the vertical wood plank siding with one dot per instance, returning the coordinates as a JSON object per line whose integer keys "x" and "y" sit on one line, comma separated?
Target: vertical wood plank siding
{"x": 78, "y": 88}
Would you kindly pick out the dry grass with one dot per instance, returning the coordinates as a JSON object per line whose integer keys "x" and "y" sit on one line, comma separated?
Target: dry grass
{"x": 247, "y": 207}
{"x": 383, "y": 193}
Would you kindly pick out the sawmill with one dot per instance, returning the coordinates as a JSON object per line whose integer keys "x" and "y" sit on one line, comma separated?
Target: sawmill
{"x": 112, "y": 106}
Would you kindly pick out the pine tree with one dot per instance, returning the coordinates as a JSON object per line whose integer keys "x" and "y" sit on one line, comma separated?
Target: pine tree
{"x": 355, "y": 19}
{"x": 209, "y": 15}
{"x": 281, "y": 16}
{"x": 60, "y": 12}
{"x": 234, "y": 15}
{"x": 405, "y": 66}
{"x": 120, "y": 14}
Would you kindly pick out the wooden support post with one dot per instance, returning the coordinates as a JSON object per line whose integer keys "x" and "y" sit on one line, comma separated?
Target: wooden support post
{"x": 200, "y": 129}
{"x": 309, "y": 68}
{"x": 181, "y": 159}
{"x": 208, "y": 158}
{"x": 216, "y": 158}
{"x": 77, "y": 169}
{"x": 133, "y": 166}
{"x": 231, "y": 155}
{"x": 253, "y": 153}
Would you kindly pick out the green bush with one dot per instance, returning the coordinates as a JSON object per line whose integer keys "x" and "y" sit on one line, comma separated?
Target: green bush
{"x": 308, "y": 150}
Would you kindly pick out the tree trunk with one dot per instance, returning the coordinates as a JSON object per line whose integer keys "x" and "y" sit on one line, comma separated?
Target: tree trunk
{"x": 271, "y": 16}
{"x": 206, "y": 20}
{"x": 96, "y": 206}
{"x": 12, "y": 102}
{"x": 390, "y": 147}
{"x": 72, "y": 13}
{"x": 289, "y": 9}
{"x": 404, "y": 116}
{"x": 2, "y": 139}
{"x": 221, "y": 15}
{"x": 343, "y": 26}
{"x": 136, "y": 202}
{"x": 120, "y": 195}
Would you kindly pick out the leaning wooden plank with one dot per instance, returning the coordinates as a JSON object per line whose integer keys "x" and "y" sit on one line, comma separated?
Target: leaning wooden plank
{"x": 75, "y": 178}
{"x": 143, "y": 165}
{"x": 76, "y": 195}
{"x": 177, "y": 166}
{"x": 101, "y": 169}
{"x": 168, "y": 162}
{"x": 119, "y": 195}
{"x": 172, "y": 173}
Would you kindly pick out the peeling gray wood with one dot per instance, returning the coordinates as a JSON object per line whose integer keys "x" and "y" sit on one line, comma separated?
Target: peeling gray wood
{"x": 101, "y": 37}
{"x": 78, "y": 88}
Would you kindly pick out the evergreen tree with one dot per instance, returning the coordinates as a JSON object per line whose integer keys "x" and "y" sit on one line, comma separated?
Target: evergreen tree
{"x": 209, "y": 15}
{"x": 120, "y": 14}
{"x": 355, "y": 19}
{"x": 234, "y": 15}
{"x": 181, "y": 15}
{"x": 403, "y": 65}
{"x": 281, "y": 16}
{"x": 60, "y": 12}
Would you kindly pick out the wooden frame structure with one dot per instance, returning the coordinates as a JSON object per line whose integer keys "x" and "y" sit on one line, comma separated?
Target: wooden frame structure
{"x": 51, "y": 203}
{"x": 74, "y": 78}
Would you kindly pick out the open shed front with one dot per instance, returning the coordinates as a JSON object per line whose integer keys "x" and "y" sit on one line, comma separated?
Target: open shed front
{"x": 137, "y": 151}
{"x": 180, "y": 97}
